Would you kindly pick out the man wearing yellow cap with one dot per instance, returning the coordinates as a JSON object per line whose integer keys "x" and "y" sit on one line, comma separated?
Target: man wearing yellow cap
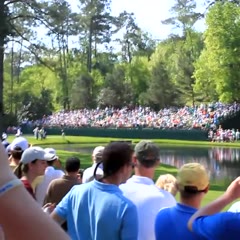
{"x": 193, "y": 184}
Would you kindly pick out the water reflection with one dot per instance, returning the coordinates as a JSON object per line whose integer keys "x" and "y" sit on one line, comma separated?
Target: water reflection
{"x": 222, "y": 163}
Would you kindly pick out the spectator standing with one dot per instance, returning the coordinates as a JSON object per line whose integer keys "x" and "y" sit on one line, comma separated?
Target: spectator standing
{"x": 5, "y": 143}
{"x": 98, "y": 210}
{"x": 142, "y": 191}
{"x": 32, "y": 164}
{"x": 50, "y": 174}
{"x": 193, "y": 184}
{"x": 96, "y": 157}
{"x": 58, "y": 188}
{"x": 167, "y": 182}
{"x": 16, "y": 149}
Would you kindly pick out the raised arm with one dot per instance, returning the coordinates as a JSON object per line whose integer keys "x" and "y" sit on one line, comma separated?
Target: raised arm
{"x": 20, "y": 216}
{"x": 231, "y": 194}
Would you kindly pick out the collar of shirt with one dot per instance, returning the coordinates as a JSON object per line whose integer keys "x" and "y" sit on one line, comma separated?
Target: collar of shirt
{"x": 185, "y": 208}
{"x": 49, "y": 169}
{"x": 106, "y": 187}
{"x": 140, "y": 179}
{"x": 70, "y": 178}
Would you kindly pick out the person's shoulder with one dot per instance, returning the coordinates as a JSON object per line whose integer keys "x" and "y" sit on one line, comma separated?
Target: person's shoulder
{"x": 165, "y": 194}
{"x": 124, "y": 186}
{"x": 57, "y": 181}
{"x": 76, "y": 189}
{"x": 124, "y": 199}
{"x": 87, "y": 172}
{"x": 163, "y": 215}
{"x": 59, "y": 172}
{"x": 38, "y": 180}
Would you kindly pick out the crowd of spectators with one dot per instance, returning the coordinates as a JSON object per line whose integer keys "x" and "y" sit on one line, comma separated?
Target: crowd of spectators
{"x": 204, "y": 116}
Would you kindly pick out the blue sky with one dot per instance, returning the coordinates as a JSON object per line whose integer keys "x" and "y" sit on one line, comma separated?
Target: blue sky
{"x": 149, "y": 14}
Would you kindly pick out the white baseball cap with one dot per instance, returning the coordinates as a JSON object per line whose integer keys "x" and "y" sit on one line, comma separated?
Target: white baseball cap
{"x": 35, "y": 153}
{"x": 20, "y": 142}
{"x": 51, "y": 151}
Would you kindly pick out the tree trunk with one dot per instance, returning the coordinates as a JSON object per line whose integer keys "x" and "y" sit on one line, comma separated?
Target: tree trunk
{"x": 89, "y": 57}
{"x": 12, "y": 77}
{"x": 2, "y": 38}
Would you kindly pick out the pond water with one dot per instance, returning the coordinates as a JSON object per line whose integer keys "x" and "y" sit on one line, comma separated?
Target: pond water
{"x": 222, "y": 163}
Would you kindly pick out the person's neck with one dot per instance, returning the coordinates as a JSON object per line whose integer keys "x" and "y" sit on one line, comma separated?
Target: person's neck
{"x": 144, "y": 172}
{"x": 193, "y": 202}
{"x": 72, "y": 174}
{"x": 115, "y": 180}
{"x": 29, "y": 177}
{"x": 15, "y": 161}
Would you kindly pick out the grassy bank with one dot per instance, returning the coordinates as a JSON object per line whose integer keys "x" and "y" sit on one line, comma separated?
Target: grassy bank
{"x": 216, "y": 189}
{"x": 92, "y": 141}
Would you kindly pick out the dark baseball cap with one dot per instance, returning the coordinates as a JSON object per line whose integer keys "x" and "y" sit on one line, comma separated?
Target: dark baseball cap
{"x": 147, "y": 151}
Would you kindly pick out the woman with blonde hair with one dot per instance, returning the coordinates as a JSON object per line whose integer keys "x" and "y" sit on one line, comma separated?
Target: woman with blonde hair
{"x": 167, "y": 182}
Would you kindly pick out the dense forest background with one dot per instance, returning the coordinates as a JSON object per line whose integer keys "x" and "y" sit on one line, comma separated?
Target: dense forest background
{"x": 52, "y": 57}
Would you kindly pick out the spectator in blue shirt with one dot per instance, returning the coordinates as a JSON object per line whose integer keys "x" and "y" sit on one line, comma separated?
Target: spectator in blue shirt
{"x": 208, "y": 223}
{"x": 98, "y": 210}
{"x": 192, "y": 183}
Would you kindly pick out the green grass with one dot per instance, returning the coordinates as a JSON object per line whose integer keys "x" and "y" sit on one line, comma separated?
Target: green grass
{"x": 92, "y": 141}
{"x": 216, "y": 189}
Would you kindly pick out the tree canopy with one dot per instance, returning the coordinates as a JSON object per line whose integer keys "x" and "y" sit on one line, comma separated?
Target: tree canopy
{"x": 55, "y": 57}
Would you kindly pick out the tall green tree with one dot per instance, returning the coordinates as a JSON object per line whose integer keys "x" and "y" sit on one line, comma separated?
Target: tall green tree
{"x": 97, "y": 24}
{"x": 161, "y": 92}
{"x": 222, "y": 51}
{"x": 62, "y": 24}
{"x": 184, "y": 15}
{"x": 116, "y": 91}
{"x": 189, "y": 46}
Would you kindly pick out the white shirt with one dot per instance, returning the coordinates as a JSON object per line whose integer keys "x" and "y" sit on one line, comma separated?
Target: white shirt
{"x": 148, "y": 199}
{"x": 41, "y": 189}
{"x": 88, "y": 173}
{"x": 235, "y": 207}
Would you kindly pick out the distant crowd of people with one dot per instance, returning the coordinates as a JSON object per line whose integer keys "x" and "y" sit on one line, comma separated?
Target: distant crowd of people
{"x": 204, "y": 116}
{"x": 105, "y": 201}
{"x": 223, "y": 135}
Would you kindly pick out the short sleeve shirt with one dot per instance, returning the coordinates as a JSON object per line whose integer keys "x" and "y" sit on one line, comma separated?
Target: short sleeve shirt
{"x": 220, "y": 226}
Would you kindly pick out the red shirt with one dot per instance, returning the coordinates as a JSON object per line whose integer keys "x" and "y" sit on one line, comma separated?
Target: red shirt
{"x": 28, "y": 186}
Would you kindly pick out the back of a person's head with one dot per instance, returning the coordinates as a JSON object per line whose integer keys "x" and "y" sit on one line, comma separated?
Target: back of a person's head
{"x": 147, "y": 154}
{"x": 72, "y": 164}
{"x": 115, "y": 156}
{"x": 167, "y": 182}
{"x": 97, "y": 154}
{"x": 55, "y": 157}
{"x": 17, "y": 153}
{"x": 192, "y": 179}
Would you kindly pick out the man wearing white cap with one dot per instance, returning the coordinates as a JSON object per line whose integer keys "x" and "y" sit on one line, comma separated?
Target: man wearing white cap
{"x": 50, "y": 174}
{"x": 96, "y": 157}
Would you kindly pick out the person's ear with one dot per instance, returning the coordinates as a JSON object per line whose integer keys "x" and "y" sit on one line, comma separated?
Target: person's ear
{"x": 206, "y": 190}
{"x": 157, "y": 162}
{"x": 134, "y": 160}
